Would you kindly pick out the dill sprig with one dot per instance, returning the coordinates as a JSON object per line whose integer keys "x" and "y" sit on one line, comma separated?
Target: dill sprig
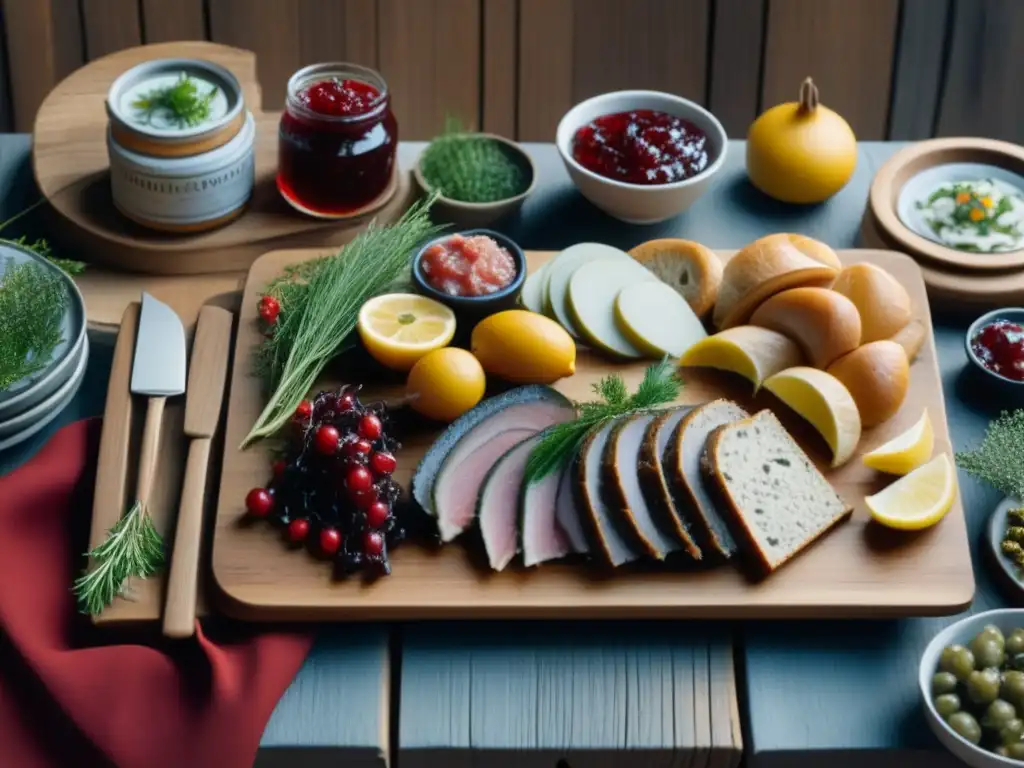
{"x": 471, "y": 168}
{"x": 133, "y": 548}
{"x": 661, "y": 385}
{"x": 32, "y": 303}
{"x": 182, "y": 101}
{"x": 320, "y": 302}
{"x": 999, "y": 460}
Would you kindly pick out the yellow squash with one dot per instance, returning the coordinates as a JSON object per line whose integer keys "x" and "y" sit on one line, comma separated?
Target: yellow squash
{"x": 801, "y": 151}
{"x": 524, "y": 347}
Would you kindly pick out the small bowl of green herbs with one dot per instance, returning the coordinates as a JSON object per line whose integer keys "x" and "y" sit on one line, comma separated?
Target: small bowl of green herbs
{"x": 479, "y": 177}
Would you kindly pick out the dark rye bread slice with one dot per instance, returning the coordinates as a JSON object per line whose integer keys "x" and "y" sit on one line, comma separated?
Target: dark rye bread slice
{"x": 603, "y": 525}
{"x": 620, "y": 477}
{"x": 776, "y": 498}
{"x": 653, "y": 482}
{"x": 681, "y": 462}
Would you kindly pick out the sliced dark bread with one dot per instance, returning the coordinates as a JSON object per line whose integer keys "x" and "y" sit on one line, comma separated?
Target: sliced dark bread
{"x": 611, "y": 539}
{"x": 654, "y": 484}
{"x": 620, "y": 477}
{"x": 776, "y": 498}
{"x": 681, "y": 463}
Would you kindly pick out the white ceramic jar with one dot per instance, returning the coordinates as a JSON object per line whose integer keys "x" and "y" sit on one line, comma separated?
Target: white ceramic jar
{"x": 172, "y": 176}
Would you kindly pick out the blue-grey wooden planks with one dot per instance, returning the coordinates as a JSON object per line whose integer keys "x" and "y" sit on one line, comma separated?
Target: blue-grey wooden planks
{"x": 651, "y": 695}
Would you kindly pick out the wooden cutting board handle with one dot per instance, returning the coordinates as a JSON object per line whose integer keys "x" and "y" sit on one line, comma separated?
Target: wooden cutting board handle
{"x": 180, "y": 610}
{"x": 149, "y": 454}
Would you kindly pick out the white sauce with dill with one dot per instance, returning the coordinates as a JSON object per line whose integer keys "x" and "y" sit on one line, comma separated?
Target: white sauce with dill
{"x": 163, "y": 119}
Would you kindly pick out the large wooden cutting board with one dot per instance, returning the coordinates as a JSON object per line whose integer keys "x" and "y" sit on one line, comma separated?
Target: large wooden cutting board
{"x": 856, "y": 570}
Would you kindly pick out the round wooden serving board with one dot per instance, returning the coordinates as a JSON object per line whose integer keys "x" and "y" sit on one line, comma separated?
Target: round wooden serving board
{"x": 857, "y": 569}
{"x": 69, "y": 157}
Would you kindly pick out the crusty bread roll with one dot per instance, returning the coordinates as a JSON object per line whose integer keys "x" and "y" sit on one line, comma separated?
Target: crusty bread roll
{"x": 823, "y": 323}
{"x": 877, "y": 375}
{"x": 694, "y": 270}
{"x": 911, "y": 338}
{"x": 767, "y": 266}
{"x": 883, "y": 303}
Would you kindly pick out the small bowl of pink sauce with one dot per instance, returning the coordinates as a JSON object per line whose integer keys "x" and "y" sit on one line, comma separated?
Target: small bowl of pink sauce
{"x": 477, "y": 272}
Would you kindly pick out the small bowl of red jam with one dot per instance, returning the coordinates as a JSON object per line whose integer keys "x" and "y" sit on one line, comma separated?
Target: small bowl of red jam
{"x": 476, "y": 272}
{"x": 995, "y": 346}
{"x": 641, "y": 156}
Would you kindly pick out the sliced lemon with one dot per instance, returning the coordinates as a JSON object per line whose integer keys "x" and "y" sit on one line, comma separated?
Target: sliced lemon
{"x": 918, "y": 500}
{"x": 905, "y": 452}
{"x": 753, "y": 353}
{"x": 824, "y": 402}
{"x": 398, "y": 329}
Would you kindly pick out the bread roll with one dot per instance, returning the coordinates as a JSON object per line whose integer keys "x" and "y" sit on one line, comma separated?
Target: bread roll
{"x": 911, "y": 338}
{"x": 883, "y": 303}
{"x": 767, "y": 266}
{"x": 692, "y": 269}
{"x": 877, "y": 375}
{"x": 823, "y": 323}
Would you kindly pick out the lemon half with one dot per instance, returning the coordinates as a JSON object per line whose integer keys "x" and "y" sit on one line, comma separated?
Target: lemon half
{"x": 398, "y": 329}
{"x": 905, "y": 452}
{"x": 918, "y": 500}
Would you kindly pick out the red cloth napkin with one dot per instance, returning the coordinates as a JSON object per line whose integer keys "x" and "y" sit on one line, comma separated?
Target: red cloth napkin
{"x": 63, "y": 702}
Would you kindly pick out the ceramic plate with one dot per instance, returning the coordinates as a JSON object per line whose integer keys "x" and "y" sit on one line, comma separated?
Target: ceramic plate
{"x": 51, "y": 408}
{"x": 31, "y": 390}
{"x": 996, "y": 531}
{"x": 923, "y": 184}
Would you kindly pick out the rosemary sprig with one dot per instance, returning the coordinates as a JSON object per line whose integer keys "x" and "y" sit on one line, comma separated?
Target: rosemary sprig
{"x": 661, "y": 385}
{"x": 999, "y": 460}
{"x": 182, "y": 101}
{"x": 320, "y": 304}
{"x": 133, "y": 548}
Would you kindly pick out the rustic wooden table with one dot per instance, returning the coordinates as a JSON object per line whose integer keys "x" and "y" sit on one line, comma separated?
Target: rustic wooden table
{"x": 611, "y": 694}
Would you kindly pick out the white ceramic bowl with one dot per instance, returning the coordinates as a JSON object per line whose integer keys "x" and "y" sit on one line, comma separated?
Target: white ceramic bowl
{"x": 640, "y": 203}
{"x": 962, "y": 632}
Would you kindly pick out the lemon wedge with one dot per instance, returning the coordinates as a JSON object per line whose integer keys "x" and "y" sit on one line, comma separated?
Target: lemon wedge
{"x": 824, "y": 402}
{"x": 753, "y": 353}
{"x": 918, "y": 500}
{"x": 398, "y": 329}
{"x": 905, "y": 452}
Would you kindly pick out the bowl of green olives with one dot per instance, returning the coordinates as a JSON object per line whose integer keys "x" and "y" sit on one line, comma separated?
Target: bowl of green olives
{"x": 972, "y": 685}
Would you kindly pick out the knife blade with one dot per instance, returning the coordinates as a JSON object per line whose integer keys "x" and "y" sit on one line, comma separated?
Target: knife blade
{"x": 158, "y": 372}
{"x": 204, "y": 399}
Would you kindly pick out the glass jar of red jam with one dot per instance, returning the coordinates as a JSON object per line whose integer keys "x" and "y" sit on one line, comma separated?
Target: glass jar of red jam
{"x": 337, "y": 139}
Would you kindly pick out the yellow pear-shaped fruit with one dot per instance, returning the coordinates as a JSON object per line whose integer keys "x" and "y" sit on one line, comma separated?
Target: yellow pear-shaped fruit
{"x": 801, "y": 151}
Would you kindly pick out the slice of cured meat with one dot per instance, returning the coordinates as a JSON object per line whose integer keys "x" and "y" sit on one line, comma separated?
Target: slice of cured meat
{"x": 621, "y": 483}
{"x": 541, "y": 538}
{"x": 672, "y": 517}
{"x": 497, "y": 510}
{"x": 605, "y": 524}
{"x": 456, "y": 487}
{"x": 567, "y": 510}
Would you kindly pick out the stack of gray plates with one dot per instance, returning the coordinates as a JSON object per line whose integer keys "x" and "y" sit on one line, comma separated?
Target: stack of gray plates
{"x": 31, "y": 403}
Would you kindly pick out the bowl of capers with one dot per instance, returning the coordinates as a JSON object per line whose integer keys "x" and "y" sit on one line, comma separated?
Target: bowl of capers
{"x": 972, "y": 685}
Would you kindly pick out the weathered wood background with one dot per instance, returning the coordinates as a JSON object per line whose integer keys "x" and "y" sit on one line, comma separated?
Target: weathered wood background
{"x": 898, "y": 69}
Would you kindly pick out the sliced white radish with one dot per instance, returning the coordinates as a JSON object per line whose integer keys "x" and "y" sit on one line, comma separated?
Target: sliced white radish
{"x": 560, "y": 272}
{"x": 532, "y": 296}
{"x": 592, "y": 292}
{"x": 657, "y": 320}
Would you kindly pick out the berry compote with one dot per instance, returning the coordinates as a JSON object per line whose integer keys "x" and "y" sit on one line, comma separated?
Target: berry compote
{"x": 332, "y": 491}
{"x": 999, "y": 346}
{"x": 337, "y": 139}
{"x": 641, "y": 147}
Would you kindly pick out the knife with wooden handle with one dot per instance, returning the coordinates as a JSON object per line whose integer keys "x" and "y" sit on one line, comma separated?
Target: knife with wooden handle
{"x": 204, "y": 396}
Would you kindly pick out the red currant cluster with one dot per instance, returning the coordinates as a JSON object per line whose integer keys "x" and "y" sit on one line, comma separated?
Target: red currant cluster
{"x": 333, "y": 490}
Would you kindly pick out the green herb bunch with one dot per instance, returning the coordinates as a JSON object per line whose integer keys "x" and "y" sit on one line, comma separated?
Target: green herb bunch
{"x": 472, "y": 168}
{"x": 999, "y": 460}
{"x": 32, "y": 303}
{"x": 182, "y": 101}
{"x": 320, "y": 302}
{"x": 660, "y": 386}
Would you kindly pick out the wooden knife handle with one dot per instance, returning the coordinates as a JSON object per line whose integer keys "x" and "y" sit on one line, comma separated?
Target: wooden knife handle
{"x": 180, "y": 610}
{"x": 149, "y": 454}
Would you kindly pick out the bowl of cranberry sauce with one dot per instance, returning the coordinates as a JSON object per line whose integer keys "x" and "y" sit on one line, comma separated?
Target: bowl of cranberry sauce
{"x": 995, "y": 348}
{"x": 641, "y": 156}
{"x": 337, "y": 140}
{"x": 476, "y": 272}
